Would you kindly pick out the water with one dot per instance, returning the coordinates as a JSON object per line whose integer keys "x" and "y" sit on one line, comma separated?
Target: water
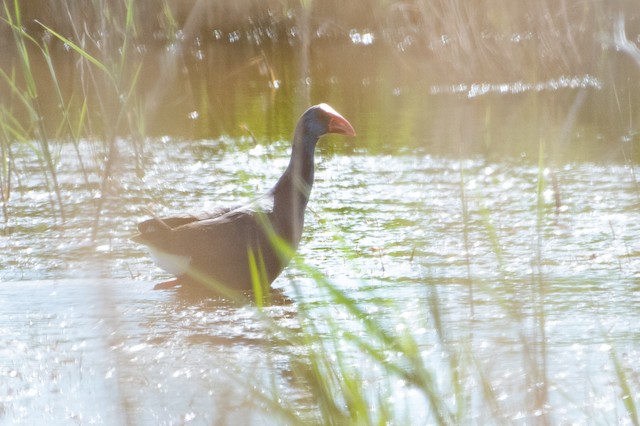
{"x": 487, "y": 212}
{"x": 541, "y": 296}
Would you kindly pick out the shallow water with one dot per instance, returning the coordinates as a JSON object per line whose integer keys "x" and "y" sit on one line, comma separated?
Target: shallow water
{"x": 542, "y": 296}
{"x": 517, "y": 277}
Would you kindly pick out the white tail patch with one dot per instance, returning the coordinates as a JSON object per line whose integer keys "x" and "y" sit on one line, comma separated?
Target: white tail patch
{"x": 172, "y": 263}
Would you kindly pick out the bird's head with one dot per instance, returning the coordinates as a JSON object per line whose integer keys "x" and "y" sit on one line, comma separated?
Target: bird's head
{"x": 322, "y": 119}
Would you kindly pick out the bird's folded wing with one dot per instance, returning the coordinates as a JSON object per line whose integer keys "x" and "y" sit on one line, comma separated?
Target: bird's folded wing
{"x": 157, "y": 223}
{"x": 200, "y": 238}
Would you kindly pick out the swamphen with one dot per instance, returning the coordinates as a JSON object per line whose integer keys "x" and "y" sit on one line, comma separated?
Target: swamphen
{"x": 221, "y": 248}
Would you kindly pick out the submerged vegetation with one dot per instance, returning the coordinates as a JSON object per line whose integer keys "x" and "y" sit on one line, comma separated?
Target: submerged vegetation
{"x": 547, "y": 82}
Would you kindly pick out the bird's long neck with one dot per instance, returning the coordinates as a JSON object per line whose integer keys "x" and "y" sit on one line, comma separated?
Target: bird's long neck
{"x": 291, "y": 192}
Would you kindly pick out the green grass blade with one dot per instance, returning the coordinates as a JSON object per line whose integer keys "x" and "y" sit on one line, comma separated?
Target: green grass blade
{"x": 79, "y": 50}
{"x": 627, "y": 395}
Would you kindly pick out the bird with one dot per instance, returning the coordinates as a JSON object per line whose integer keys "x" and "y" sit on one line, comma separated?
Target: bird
{"x": 240, "y": 247}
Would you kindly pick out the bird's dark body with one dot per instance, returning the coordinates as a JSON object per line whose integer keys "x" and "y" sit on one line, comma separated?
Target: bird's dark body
{"x": 219, "y": 246}
{"x": 229, "y": 238}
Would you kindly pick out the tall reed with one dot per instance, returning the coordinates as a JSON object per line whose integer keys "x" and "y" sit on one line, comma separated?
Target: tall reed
{"x": 27, "y": 96}
{"x": 108, "y": 105}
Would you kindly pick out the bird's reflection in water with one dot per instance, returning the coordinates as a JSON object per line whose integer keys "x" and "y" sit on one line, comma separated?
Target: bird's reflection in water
{"x": 203, "y": 317}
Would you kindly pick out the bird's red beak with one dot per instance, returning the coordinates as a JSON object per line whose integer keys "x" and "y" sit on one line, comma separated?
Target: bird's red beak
{"x": 338, "y": 124}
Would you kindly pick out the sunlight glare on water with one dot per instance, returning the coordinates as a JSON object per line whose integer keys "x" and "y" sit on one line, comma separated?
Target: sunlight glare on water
{"x": 478, "y": 89}
{"x": 472, "y": 256}
{"x": 389, "y": 230}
